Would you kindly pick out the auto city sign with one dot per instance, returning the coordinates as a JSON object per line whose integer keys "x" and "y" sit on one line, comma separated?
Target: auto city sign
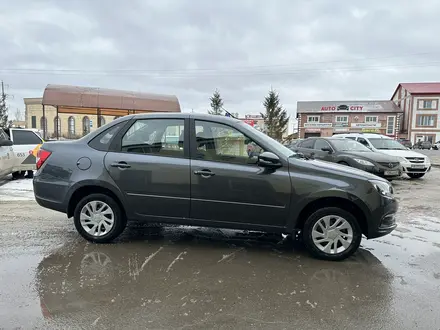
{"x": 343, "y": 107}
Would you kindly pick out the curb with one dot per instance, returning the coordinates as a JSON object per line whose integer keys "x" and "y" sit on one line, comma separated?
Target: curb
{"x": 435, "y": 165}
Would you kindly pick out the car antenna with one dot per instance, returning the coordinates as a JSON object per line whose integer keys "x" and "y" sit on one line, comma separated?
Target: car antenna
{"x": 228, "y": 114}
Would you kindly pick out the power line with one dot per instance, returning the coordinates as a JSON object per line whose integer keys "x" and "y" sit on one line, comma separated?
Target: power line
{"x": 198, "y": 70}
{"x": 141, "y": 73}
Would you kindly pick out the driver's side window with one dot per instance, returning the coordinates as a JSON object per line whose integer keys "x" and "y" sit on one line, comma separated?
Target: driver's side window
{"x": 364, "y": 142}
{"x": 160, "y": 137}
{"x": 222, "y": 143}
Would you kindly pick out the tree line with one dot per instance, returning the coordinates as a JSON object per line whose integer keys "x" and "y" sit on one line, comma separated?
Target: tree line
{"x": 275, "y": 116}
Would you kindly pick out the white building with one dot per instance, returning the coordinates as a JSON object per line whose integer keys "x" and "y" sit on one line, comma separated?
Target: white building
{"x": 420, "y": 105}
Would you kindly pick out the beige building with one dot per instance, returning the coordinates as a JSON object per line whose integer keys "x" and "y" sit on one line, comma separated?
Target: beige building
{"x": 69, "y": 126}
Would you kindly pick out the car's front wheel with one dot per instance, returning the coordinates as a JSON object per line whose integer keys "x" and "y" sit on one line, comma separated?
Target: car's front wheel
{"x": 416, "y": 175}
{"x": 98, "y": 218}
{"x": 332, "y": 233}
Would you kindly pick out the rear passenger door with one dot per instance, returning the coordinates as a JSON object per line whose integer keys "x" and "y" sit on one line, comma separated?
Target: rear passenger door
{"x": 150, "y": 164}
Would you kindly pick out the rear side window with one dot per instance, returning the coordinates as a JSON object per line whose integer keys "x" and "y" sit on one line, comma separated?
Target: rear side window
{"x": 103, "y": 140}
{"x": 159, "y": 137}
{"x": 307, "y": 144}
{"x": 25, "y": 137}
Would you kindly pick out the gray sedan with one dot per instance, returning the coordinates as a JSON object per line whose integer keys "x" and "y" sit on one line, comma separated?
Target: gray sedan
{"x": 351, "y": 153}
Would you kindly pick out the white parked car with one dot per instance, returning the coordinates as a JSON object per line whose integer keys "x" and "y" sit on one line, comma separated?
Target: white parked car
{"x": 18, "y": 151}
{"x": 413, "y": 163}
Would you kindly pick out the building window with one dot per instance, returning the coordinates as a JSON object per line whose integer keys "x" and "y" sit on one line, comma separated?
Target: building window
{"x": 34, "y": 122}
{"x": 86, "y": 125}
{"x": 57, "y": 126}
{"x": 101, "y": 121}
{"x": 425, "y": 120}
{"x": 342, "y": 119}
{"x": 71, "y": 126}
{"x": 427, "y": 105}
{"x": 391, "y": 121}
{"x": 371, "y": 119}
{"x": 313, "y": 119}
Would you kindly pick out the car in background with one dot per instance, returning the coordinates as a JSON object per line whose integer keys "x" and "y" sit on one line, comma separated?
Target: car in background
{"x": 436, "y": 146}
{"x": 405, "y": 142}
{"x": 351, "y": 153}
{"x": 424, "y": 145}
{"x": 19, "y": 154}
{"x": 414, "y": 164}
{"x": 127, "y": 171}
{"x": 293, "y": 144}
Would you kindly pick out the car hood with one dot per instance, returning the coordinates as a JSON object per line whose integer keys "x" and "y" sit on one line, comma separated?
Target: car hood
{"x": 374, "y": 156}
{"x": 402, "y": 153}
{"x": 341, "y": 169}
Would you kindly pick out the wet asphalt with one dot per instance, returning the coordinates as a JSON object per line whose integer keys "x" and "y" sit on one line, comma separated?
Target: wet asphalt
{"x": 195, "y": 278}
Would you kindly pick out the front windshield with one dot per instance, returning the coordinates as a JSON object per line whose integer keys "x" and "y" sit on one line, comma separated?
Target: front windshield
{"x": 386, "y": 144}
{"x": 349, "y": 145}
{"x": 275, "y": 145}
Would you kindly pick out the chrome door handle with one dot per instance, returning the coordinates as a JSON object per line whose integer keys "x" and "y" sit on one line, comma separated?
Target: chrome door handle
{"x": 204, "y": 173}
{"x": 120, "y": 165}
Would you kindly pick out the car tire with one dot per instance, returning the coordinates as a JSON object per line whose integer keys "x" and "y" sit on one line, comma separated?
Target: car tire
{"x": 18, "y": 175}
{"x": 416, "y": 175}
{"x": 99, "y": 218}
{"x": 313, "y": 230}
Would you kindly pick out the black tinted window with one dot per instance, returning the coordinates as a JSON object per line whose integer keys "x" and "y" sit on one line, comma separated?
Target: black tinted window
{"x": 161, "y": 137}
{"x": 25, "y": 137}
{"x": 321, "y": 144}
{"x": 103, "y": 140}
{"x": 307, "y": 144}
{"x": 363, "y": 141}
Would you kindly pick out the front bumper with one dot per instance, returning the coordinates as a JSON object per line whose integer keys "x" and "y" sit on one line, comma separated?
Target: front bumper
{"x": 383, "y": 220}
{"x": 383, "y": 171}
{"x": 408, "y": 167}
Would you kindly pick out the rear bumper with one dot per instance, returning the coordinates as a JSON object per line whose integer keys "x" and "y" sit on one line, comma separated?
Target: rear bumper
{"x": 383, "y": 221}
{"x": 51, "y": 205}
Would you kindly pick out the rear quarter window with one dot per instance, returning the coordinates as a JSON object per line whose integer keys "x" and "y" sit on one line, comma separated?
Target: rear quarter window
{"x": 103, "y": 140}
{"x": 25, "y": 137}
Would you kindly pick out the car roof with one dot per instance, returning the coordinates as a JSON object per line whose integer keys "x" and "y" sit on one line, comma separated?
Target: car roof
{"x": 182, "y": 115}
{"x": 364, "y": 135}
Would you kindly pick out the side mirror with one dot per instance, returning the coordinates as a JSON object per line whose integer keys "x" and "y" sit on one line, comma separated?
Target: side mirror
{"x": 269, "y": 160}
{"x": 327, "y": 149}
{"x": 6, "y": 143}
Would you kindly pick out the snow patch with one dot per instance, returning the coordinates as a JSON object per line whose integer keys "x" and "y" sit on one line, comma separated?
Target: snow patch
{"x": 18, "y": 190}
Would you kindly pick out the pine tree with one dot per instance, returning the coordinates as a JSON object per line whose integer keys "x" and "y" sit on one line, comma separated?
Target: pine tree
{"x": 4, "y": 122}
{"x": 216, "y": 104}
{"x": 275, "y": 118}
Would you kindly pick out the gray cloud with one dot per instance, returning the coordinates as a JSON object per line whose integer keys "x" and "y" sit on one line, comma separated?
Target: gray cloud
{"x": 304, "y": 49}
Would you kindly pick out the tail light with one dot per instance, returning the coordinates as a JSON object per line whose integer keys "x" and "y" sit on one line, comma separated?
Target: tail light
{"x": 42, "y": 156}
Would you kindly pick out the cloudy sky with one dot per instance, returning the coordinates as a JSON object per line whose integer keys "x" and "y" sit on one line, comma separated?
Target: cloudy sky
{"x": 306, "y": 50}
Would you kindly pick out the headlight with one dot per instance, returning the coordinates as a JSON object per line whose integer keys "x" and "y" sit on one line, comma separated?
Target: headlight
{"x": 363, "y": 162}
{"x": 402, "y": 159}
{"x": 427, "y": 160}
{"x": 384, "y": 188}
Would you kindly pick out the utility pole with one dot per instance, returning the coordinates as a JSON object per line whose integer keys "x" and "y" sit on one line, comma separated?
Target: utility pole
{"x": 3, "y": 108}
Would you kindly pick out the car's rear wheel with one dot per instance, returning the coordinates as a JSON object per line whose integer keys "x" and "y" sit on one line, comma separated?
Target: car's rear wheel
{"x": 98, "y": 218}
{"x": 18, "y": 175}
{"x": 416, "y": 175}
{"x": 332, "y": 233}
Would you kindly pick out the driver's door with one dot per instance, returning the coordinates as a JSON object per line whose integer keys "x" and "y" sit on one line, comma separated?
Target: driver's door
{"x": 227, "y": 186}
{"x": 321, "y": 154}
